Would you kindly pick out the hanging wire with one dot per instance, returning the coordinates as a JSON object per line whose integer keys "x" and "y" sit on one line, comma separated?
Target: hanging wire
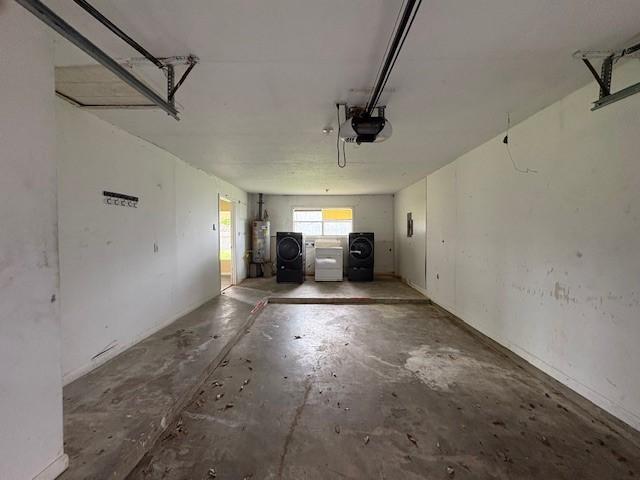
{"x": 505, "y": 140}
{"x": 344, "y": 158}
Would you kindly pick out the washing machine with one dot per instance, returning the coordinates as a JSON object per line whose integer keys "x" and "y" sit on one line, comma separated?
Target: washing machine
{"x": 290, "y": 257}
{"x": 360, "y": 260}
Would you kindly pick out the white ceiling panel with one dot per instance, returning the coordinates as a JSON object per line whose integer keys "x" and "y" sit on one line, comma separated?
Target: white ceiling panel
{"x": 271, "y": 72}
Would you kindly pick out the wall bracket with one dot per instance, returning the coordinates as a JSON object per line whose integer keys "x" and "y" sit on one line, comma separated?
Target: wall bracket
{"x": 609, "y": 58}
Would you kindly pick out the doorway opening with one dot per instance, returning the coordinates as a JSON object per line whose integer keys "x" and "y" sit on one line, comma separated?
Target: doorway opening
{"x": 225, "y": 221}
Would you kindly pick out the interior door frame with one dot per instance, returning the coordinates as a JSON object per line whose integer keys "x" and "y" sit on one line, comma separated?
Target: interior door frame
{"x": 222, "y": 198}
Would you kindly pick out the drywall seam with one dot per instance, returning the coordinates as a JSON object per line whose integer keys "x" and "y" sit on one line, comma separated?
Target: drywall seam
{"x": 455, "y": 235}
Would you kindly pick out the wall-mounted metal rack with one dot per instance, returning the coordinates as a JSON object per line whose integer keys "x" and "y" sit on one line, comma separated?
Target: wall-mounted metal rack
{"x": 609, "y": 58}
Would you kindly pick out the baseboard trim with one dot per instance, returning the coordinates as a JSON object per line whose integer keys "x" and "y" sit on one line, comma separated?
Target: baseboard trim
{"x": 54, "y": 469}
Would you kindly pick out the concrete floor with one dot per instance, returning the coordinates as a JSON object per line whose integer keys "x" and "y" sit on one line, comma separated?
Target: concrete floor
{"x": 381, "y": 392}
{"x": 114, "y": 414}
{"x": 225, "y": 281}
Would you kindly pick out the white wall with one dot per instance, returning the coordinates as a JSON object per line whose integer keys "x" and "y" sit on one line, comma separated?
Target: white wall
{"x": 30, "y": 379}
{"x": 548, "y": 263}
{"x": 371, "y": 213}
{"x": 410, "y": 261}
{"x": 126, "y": 272}
{"x": 441, "y": 236}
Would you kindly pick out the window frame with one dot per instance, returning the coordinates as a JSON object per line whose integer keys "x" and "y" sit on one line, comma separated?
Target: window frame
{"x": 322, "y": 222}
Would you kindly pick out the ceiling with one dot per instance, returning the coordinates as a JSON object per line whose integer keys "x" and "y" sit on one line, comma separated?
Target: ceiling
{"x": 95, "y": 85}
{"x": 270, "y": 73}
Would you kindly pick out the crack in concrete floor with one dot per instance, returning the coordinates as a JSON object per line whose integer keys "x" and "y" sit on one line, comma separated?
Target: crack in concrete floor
{"x": 292, "y": 428}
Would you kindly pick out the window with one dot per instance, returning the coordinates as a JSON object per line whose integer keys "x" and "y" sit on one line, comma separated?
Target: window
{"x": 323, "y": 221}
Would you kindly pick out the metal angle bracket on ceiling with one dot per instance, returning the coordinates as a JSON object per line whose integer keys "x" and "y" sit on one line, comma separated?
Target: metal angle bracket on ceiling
{"x": 609, "y": 58}
{"x": 46, "y": 15}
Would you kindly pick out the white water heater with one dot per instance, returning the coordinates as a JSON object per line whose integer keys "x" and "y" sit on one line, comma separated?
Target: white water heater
{"x": 261, "y": 241}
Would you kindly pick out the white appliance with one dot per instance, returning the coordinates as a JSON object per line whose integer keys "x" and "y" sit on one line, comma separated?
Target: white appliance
{"x": 329, "y": 260}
